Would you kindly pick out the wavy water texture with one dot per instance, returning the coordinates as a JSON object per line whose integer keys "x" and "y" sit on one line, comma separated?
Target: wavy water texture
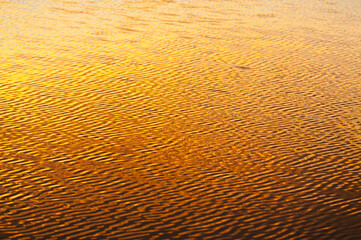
{"x": 179, "y": 119}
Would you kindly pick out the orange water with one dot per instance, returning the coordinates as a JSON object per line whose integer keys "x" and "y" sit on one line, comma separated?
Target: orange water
{"x": 179, "y": 119}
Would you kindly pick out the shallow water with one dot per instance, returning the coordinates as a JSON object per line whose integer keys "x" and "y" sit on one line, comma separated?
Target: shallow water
{"x": 179, "y": 119}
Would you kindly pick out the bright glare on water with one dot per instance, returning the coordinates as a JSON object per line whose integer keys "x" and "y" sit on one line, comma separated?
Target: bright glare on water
{"x": 180, "y": 119}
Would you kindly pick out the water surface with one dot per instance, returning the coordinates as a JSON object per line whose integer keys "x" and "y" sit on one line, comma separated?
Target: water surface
{"x": 179, "y": 119}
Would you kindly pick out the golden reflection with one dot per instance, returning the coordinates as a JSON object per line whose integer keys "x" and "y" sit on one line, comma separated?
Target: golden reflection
{"x": 179, "y": 119}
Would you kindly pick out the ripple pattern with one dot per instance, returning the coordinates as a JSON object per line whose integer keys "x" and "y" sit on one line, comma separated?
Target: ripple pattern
{"x": 177, "y": 119}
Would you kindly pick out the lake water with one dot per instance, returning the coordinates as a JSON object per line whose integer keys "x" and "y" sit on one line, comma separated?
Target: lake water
{"x": 179, "y": 119}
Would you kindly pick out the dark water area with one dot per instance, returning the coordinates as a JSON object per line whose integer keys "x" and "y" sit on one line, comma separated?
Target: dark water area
{"x": 179, "y": 119}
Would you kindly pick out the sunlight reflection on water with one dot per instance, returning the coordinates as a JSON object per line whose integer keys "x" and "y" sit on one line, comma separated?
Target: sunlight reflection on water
{"x": 180, "y": 119}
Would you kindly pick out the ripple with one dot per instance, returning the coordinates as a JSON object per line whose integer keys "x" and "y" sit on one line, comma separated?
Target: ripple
{"x": 180, "y": 120}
